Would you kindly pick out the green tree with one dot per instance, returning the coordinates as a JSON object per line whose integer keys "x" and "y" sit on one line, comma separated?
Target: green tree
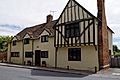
{"x": 115, "y": 48}
{"x": 4, "y": 42}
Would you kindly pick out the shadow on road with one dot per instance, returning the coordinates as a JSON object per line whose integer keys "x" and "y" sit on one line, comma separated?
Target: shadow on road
{"x": 55, "y": 74}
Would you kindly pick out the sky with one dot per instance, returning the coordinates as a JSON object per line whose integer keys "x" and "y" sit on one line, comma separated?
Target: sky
{"x": 15, "y": 15}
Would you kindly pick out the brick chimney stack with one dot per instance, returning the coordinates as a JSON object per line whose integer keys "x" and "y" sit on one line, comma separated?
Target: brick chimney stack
{"x": 104, "y": 57}
{"x": 49, "y": 18}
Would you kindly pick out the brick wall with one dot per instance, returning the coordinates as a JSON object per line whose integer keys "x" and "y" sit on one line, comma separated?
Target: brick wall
{"x": 104, "y": 57}
{"x": 3, "y": 55}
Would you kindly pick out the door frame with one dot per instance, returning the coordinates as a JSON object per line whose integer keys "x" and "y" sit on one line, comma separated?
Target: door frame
{"x": 37, "y": 57}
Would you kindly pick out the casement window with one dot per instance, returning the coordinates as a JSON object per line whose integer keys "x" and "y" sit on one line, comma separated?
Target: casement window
{"x": 28, "y": 54}
{"x": 26, "y": 41}
{"x": 74, "y": 54}
{"x": 14, "y": 43}
{"x": 15, "y": 54}
{"x": 44, "y": 54}
{"x": 72, "y": 30}
{"x": 44, "y": 38}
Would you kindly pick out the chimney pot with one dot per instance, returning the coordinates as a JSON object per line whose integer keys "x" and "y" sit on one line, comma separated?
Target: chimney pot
{"x": 49, "y": 18}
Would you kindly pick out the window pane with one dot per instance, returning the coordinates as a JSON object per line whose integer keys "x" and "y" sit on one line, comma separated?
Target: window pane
{"x": 67, "y": 33}
{"x": 26, "y": 41}
{"x": 72, "y": 30}
{"x": 15, "y": 54}
{"x": 77, "y": 32}
{"x": 28, "y": 54}
{"x": 14, "y": 43}
{"x": 44, "y": 54}
{"x": 44, "y": 38}
{"x": 74, "y": 54}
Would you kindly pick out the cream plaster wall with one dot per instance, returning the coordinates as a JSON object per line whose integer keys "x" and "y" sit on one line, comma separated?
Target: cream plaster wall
{"x": 16, "y": 60}
{"x": 27, "y": 48}
{"x": 14, "y": 39}
{"x": 27, "y": 59}
{"x": 89, "y": 59}
{"x": 110, "y": 41}
{"x": 46, "y": 46}
{"x": 17, "y": 48}
{"x": 8, "y": 53}
{"x": 26, "y": 36}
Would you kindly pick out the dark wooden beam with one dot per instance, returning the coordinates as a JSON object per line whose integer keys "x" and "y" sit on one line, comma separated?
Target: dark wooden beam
{"x": 94, "y": 31}
{"x": 78, "y": 12}
{"x": 55, "y": 37}
{"x": 89, "y": 33}
{"x": 62, "y": 35}
{"x": 81, "y": 20}
{"x": 58, "y": 38}
{"x": 86, "y": 29}
{"x": 71, "y": 12}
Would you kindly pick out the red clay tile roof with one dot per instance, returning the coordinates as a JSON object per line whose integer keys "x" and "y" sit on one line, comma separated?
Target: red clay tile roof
{"x": 35, "y": 31}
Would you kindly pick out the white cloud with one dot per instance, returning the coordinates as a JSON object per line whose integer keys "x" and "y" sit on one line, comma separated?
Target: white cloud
{"x": 31, "y": 12}
{"x": 8, "y": 32}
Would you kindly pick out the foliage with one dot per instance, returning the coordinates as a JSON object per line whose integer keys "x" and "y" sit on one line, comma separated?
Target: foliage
{"x": 115, "y": 48}
{"x": 4, "y": 42}
{"x": 116, "y": 51}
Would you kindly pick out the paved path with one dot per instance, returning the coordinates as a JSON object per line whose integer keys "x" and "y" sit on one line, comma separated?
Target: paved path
{"x": 16, "y": 73}
{"x": 12, "y": 73}
{"x": 48, "y": 69}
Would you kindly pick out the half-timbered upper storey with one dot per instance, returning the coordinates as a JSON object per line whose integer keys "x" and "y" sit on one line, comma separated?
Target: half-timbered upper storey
{"x": 76, "y": 26}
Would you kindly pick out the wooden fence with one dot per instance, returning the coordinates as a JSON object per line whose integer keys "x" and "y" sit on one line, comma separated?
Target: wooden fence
{"x": 115, "y": 62}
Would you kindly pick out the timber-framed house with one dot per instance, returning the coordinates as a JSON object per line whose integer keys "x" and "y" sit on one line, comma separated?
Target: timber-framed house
{"x": 76, "y": 40}
{"x": 80, "y": 38}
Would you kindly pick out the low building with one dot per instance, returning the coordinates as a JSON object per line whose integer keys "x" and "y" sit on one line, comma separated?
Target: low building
{"x": 3, "y": 56}
{"x": 76, "y": 40}
{"x": 27, "y": 45}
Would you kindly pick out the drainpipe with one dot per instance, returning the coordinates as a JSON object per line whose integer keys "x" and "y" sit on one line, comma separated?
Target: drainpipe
{"x": 56, "y": 50}
{"x": 10, "y": 53}
{"x": 32, "y": 50}
{"x": 23, "y": 52}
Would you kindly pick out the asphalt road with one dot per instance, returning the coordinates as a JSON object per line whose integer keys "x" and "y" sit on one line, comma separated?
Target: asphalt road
{"x": 11, "y": 73}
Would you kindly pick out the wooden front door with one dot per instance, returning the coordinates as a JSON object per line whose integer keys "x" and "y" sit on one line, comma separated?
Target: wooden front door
{"x": 37, "y": 58}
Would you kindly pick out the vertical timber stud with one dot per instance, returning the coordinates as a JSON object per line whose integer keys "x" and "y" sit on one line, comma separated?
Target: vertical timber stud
{"x": 89, "y": 34}
{"x": 68, "y": 21}
{"x": 84, "y": 28}
{"x": 64, "y": 27}
{"x": 58, "y": 37}
{"x": 94, "y": 32}
{"x": 71, "y": 20}
{"x": 104, "y": 57}
{"x": 61, "y": 33}
{"x": 79, "y": 25}
{"x": 80, "y": 33}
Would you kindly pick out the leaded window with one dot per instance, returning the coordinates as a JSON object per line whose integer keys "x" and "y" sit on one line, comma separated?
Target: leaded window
{"x": 72, "y": 30}
{"x": 74, "y": 54}
{"x": 26, "y": 41}
{"x": 15, "y": 54}
{"x": 44, "y": 54}
{"x": 44, "y": 38}
{"x": 28, "y": 54}
{"x": 14, "y": 43}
